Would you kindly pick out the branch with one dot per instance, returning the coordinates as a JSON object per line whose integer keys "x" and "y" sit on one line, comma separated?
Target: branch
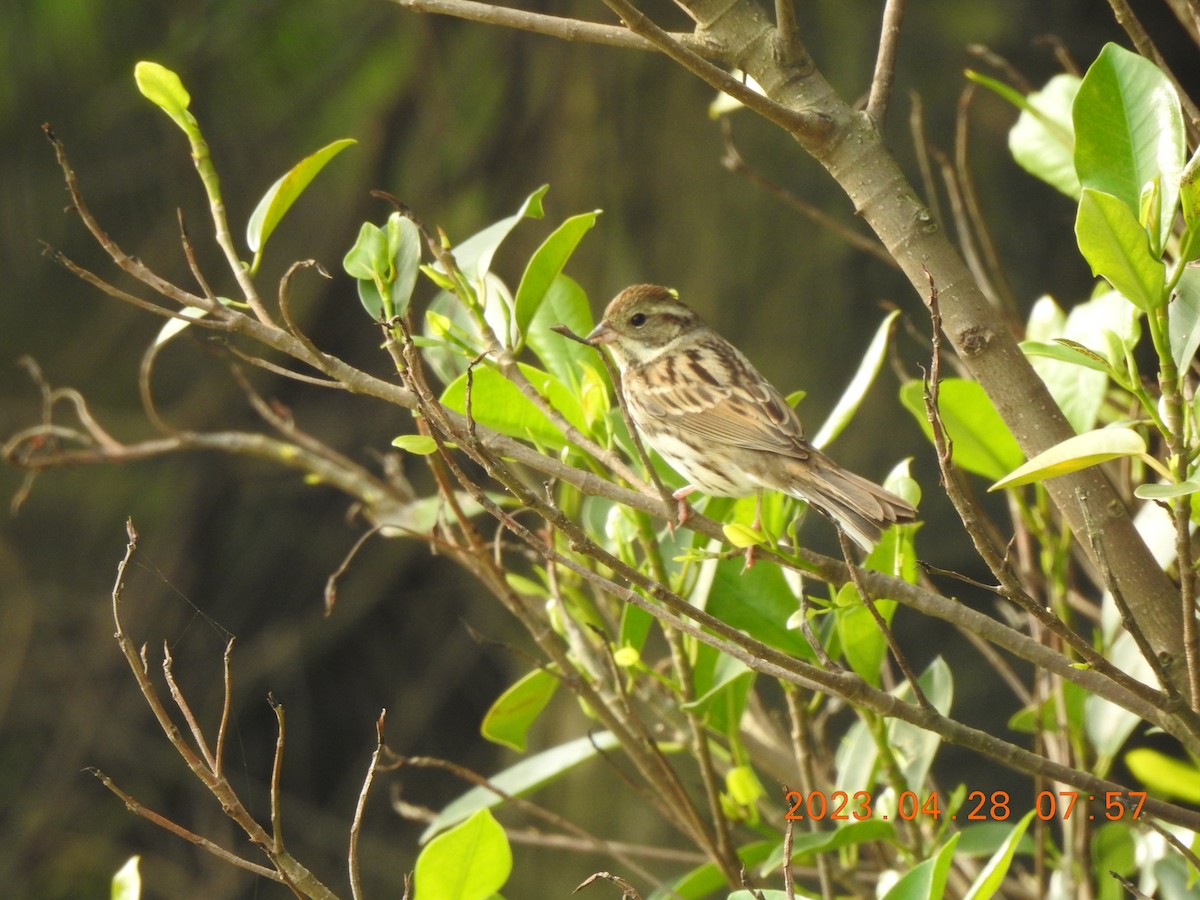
{"x": 885, "y": 62}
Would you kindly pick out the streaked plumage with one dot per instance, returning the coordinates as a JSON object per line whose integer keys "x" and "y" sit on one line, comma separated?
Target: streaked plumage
{"x": 706, "y": 410}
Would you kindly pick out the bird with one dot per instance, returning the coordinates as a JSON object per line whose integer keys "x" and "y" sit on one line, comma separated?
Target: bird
{"x": 700, "y": 403}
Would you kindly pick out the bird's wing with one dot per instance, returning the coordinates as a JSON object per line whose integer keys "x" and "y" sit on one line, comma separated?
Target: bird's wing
{"x": 720, "y": 397}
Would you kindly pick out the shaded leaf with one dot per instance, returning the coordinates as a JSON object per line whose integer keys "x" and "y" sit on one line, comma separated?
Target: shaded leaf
{"x": 564, "y": 303}
{"x": 982, "y": 442}
{"x": 926, "y": 881}
{"x": 474, "y": 255}
{"x": 1184, "y": 319}
{"x": 701, "y": 882}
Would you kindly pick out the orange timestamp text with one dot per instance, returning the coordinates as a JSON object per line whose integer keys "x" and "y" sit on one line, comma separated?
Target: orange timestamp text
{"x": 842, "y": 806}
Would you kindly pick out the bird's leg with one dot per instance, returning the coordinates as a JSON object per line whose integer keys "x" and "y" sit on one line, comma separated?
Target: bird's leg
{"x": 680, "y": 496}
{"x": 756, "y": 525}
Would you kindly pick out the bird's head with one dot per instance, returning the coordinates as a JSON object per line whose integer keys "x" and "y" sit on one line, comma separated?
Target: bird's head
{"x": 643, "y": 321}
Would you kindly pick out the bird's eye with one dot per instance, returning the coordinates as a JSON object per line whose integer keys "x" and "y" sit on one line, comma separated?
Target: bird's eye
{"x": 637, "y": 320}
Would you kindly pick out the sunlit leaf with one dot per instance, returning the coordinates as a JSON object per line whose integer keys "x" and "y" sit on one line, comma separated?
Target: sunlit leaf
{"x": 499, "y": 404}
{"x": 1043, "y": 139}
{"x": 1129, "y": 131}
{"x": 526, "y": 776}
{"x": 1075, "y": 453}
{"x": 510, "y": 717}
{"x": 127, "y": 883}
{"x": 474, "y": 255}
{"x": 283, "y": 193}
{"x": 470, "y": 862}
{"x": 989, "y": 880}
{"x": 173, "y": 326}
{"x": 420, "y": 444}
{"x": 564, "y": 303}
{"x": 1165, "y": 776}
{"x": 164, "y": 89}
{"x": 546, "y": 264}
{"x": 852, "y": 397}
{"x": 1118, "y": 248}
{"x": 926, "y": 881}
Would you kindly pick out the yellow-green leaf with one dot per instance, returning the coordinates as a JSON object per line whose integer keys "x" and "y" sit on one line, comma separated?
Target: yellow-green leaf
{"x": 514, "y": 711}
{"x": 164, "y": 89}
{"x": 469, "y": 862}
{"x": 1168, "y": 778}
{"x": 1073, "y": 454}
{"x": 283, "y": 193}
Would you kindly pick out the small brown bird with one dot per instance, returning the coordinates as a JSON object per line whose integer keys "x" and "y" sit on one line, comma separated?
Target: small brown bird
{"x": 709, "y": 413}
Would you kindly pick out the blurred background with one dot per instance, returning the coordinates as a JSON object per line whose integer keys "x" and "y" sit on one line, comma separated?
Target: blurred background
{"x": 461, "y": 121}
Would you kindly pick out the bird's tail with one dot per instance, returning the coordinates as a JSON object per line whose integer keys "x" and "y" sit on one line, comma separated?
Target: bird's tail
{"x": 861, "y": 507}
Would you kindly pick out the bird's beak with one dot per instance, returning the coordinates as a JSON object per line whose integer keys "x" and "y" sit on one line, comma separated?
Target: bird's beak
{"x": 601, "y": 334}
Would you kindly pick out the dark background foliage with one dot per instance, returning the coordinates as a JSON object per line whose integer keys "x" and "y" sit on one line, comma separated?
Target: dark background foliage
{"x": 461, "y": 121}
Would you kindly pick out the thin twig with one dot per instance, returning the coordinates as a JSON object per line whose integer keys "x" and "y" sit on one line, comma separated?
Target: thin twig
{"x": 181, "y": 702}
{"x": 916, "y": 129}
{"x": 276, "y": 772}
{"x": 629, "y": 891}
{"x": 885, "y": 62}
{"x": 226, "y": 707}
{"x": 356, "y": 890}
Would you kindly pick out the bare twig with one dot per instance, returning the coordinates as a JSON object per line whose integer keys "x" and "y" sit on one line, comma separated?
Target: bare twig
{"x": 629, "y": 892}
{"x": 885, "y": 62}
{"x": 356, "y": 890}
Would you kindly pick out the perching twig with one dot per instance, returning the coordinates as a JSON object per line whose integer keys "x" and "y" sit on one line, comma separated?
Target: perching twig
{"x": 356, "y": 890}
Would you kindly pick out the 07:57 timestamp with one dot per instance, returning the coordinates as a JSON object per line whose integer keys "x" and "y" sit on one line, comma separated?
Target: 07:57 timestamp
{"x": 977, "y": 806}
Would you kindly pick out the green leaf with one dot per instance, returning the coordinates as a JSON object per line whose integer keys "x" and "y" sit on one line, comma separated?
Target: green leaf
{"x": 722, "y": 687}
{"x": 913, "y": 748}
{"x": 1128, "y": 131}
{"x": 991, "y": 878}
{"x": 547, "y": 263}
{"x": 1117, "y": 247}
{"x": 404, "y": 252}
{"x": 499, "y": 404}
{"x": 758, "y": 602}
{"x": 474, "y": 255}
{"x": 863, "y": 644}
{"x": 1183, "y": 323}
{"x": 526, "y": 776}
{"x": 564, "y": 303}
{"x": 1164, "y": 776}
{"x": 1043, "y": 139}
{"x": 127, "y": 883}
{"x": 1189, "y": 191}
{"x": 284, "y": 192}
{"x": 470, "y": 862}
{"x": 1106, "y": 724}
{"x": 367, "y": 261}
{"x": 852, "y": 397}
{"x": 163, "y": 88}
{"x": 420, "y": 444}
{"x": 926, "y": 881}
{"x": 702, "y": 881}
{"x": 1075, "y": 453}
{"x": 1166, "y": 491}
{"x": 514, "y": 711}
{"x": 982, "y": 442}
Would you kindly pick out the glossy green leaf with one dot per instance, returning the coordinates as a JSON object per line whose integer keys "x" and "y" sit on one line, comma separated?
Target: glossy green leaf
{"x": 701, "y": 882}
{"x": 546, "y": 265}
{"x": 1128, "y": 131}
{"x": 526, "y": 776}
{"x": 474, "y": 255}
{"x": 1166, "y": 491}
{"x": 420, "y": 444}
{"x": 913, "y": 748}
{"x": 564, "y": 303}
{"x": 127, "y": 883}
{"x": 1184, "y": 319}
{"x": 864, "y": 377}
{"x": 510, "y": 717}
{"x": 1117, "y": 248}
{"x": 758, "y": 602}
{"x": 499, "y": 404}
{"x": 164, "y": 89}
{"x": 982, "y": 442}
{"x": 863, "y": 644}
{"x": 1113, "y": 849}
{"x": 1075, "y": 453}
{"x": 283, "y": 193}
{"x": 469, "y": 862}
{"x": 1165, "y": 776}
{"x": 1189, "y": 190}
{"x": 1043, "y": 139}
{"x": 721, "y": 685}
{"x": 926, "y": 881}
{"x": 990, "y": 879}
